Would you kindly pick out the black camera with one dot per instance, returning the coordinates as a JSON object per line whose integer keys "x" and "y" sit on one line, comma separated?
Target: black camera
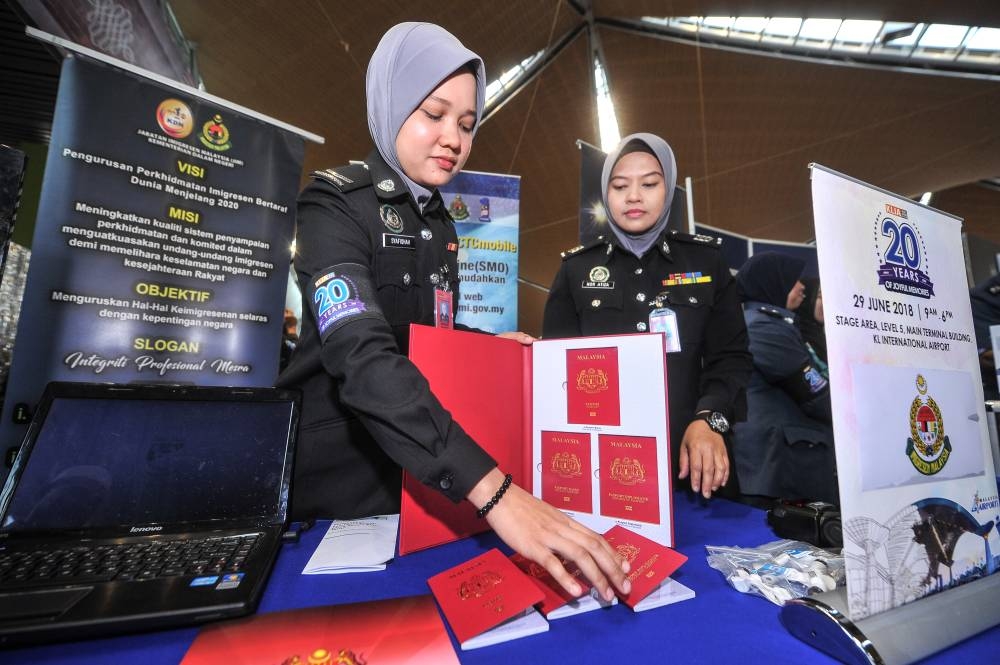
{"x": 816, "y": 523}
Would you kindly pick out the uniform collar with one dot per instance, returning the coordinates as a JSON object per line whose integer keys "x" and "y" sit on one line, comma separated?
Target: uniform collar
{"x": 662, "y": 245}
{"x": 388, "y": 185}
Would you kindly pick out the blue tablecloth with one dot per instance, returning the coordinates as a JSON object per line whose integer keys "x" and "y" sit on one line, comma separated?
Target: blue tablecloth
{"x": 719, "y": 625}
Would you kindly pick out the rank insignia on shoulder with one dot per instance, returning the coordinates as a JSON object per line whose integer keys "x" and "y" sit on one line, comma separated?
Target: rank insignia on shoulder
{"x": 700, "y": 239}
{"x": 344, "y": 178}
{"x": 595, "y": 242}
{"x": 338, "y": 178}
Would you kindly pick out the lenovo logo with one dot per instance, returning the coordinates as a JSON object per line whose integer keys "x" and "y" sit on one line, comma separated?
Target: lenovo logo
{"x": 145, "y": 529}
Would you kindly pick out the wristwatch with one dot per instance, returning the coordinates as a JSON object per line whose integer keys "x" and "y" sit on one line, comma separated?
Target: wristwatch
{"x": 718, "y": 422}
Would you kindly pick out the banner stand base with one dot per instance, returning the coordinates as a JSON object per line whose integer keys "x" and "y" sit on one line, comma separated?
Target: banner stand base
{"x": 898, "y": 636}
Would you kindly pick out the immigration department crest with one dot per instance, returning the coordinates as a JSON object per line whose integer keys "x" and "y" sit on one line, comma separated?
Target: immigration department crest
{"x": 391, "y": 218}
{"x": 592, "y": 381}
{"x": 928, "y": 448}
{"x": 566, "y": 465}
{"x": 628, "y": 471}
{"x": 599, "y": 278}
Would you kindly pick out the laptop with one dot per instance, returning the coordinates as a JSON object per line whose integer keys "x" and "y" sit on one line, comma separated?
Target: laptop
{"x": 136, "y": 507}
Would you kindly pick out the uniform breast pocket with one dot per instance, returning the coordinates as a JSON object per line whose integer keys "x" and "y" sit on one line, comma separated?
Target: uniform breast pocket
{"x": 601, "y": 310}
{"x": 396, "y": 275}
{"x": 692, "y": 303}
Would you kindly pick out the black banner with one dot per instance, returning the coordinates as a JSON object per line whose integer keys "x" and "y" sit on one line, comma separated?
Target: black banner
{"x": 162, "y": 244}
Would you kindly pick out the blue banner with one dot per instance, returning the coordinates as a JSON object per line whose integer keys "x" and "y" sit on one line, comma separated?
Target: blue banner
{"x": 162, "y": 244}
{"x": 486, "y": 210}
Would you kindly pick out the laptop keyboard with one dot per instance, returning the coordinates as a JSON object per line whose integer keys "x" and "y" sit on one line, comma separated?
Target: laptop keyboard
{"x": 145, "y": 560}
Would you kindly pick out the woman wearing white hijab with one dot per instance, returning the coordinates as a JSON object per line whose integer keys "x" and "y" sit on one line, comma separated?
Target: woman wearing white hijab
{"x": 376, "y": 250}
{"x": 643, "y": 277}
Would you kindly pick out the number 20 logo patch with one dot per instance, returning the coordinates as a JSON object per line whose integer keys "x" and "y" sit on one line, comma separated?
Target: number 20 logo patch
{"x": 335, "y": 298}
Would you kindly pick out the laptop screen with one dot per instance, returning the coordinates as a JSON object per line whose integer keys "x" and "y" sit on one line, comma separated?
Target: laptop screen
{"x": 110, "y": 462}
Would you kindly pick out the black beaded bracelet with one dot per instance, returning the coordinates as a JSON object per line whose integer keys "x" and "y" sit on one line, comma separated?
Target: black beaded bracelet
{"x": 481, "y": 513}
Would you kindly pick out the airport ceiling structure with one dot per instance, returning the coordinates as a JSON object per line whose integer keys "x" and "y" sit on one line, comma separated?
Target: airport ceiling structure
{"x": 744, "y": 118}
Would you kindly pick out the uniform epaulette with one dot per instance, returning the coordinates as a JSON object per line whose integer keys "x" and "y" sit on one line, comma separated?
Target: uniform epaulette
{"x": 345, "y": 178}
{"x": 596, "y": 242}
{"x": 697, "y": 239}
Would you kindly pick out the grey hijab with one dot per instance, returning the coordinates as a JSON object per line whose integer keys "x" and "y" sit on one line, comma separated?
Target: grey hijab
{"x": 642, "y": 142}
{"x": 411, "y": 60}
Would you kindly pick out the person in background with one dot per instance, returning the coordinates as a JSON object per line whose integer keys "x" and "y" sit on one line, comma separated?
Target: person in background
{"x": 289, "y": 337}
{"x": 985, "y": 298}
{"x": 809, "y": 318}
{"x": 785, "y": 447}
{"x": 376, "y": 249}
{"x": 643, "y": 277}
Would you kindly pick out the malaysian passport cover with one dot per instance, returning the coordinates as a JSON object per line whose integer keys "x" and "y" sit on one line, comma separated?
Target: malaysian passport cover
{"x": 401, "y": 630}
{"x": 592, "y": 395}
{"x": 650, "y": 562}
{"x": 482, "y": 593}
{"x": 629, "y": 479}
{"x": 566, "y": 478}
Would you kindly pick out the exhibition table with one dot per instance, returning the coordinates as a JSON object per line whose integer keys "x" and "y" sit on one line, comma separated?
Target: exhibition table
{"x": 719, "y": 625}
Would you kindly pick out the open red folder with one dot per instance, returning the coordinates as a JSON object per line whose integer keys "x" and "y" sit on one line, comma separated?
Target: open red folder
{"x": 492, "y": 404}
{"x": 581, "y": 423}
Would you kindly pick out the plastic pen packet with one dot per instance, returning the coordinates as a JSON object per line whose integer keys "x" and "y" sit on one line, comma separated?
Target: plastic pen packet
{"x": 780, "y": 570}
{"x": 355, "y": 546}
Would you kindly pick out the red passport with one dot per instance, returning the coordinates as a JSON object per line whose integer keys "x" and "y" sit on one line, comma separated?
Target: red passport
{"x": 555, "y": 595}
{"x": 651, "y": 563}
{"x": 629, "y": 481}
{"x": 401, "y": 630}
{"x": 482, "y": 593}
{"x": 592, "y": 396}
{"x": 566, "y": 479}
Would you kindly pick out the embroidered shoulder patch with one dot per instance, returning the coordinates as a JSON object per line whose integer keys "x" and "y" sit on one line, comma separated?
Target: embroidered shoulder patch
{"x": 340, "y": 294}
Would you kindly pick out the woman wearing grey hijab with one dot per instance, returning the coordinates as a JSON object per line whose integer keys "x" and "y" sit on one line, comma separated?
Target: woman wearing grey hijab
{"x": 641, "y": 276}
{"x": 376, "y": 251}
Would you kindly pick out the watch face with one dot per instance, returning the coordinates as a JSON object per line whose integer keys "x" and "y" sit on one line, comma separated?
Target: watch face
{"x": 718, "y": 422}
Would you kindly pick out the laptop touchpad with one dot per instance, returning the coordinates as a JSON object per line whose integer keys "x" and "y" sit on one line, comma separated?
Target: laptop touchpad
{"x": 47, "y": 603}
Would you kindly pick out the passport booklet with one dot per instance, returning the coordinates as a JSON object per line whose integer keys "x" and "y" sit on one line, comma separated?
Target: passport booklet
{"x": 488, "y": 593}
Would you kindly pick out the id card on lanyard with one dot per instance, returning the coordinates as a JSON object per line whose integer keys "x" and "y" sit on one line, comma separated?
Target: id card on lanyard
{"x": 664, "y": 320}
{"x": 443, "y": 315}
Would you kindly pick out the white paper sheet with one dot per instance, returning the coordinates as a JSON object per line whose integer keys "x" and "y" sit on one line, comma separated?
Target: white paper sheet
{"x": 355, "y": 546}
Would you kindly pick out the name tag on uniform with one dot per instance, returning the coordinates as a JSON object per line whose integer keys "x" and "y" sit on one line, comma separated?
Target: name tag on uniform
{"x": 443, "y": 315}
{"x": 664, "y": 320}
{"x": 400, "y": 241}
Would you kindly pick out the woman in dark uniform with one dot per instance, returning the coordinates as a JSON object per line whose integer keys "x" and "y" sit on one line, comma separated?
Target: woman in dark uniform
{"x": 785, "y": 448}
{"x": 641, "y": 277}
{"x": 376, "y": 250}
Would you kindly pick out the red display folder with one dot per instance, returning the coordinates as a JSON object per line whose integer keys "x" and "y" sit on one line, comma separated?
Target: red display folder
{"x": 481, "y": 380}
{"x": 515, "y": 401}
